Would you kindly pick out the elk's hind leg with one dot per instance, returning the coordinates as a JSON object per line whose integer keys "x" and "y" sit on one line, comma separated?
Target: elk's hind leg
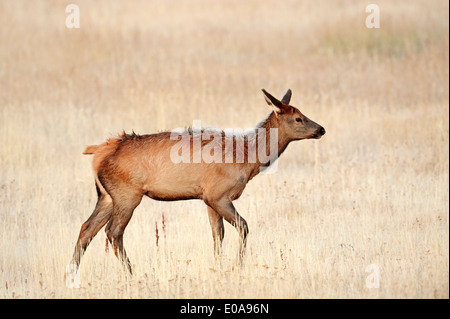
{"x": 124, "y": 204}
{"x": 93, "y": 224}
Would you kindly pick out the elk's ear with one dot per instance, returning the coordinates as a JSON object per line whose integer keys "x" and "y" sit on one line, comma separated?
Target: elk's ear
{"x": 278, "y": 106}
{"x": 287, "y": 97}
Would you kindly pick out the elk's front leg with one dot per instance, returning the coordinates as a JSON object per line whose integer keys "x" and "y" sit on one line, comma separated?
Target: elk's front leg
{"x": 218, "y": 231}
{"x": 225, "y": 208}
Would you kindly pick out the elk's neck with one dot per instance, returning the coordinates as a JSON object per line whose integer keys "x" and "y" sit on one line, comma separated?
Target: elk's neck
{"x": 273, "y": 134}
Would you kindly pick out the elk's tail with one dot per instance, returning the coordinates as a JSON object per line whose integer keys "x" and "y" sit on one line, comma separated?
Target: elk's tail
{"x": 101, "y": 151}
{"x": 91, "y": 149}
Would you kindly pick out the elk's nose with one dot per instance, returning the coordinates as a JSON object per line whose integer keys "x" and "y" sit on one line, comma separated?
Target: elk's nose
{"x": 322, "y": 131}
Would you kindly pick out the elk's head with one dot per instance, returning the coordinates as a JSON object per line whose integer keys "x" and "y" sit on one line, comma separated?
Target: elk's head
{"x": 291, "y": 121}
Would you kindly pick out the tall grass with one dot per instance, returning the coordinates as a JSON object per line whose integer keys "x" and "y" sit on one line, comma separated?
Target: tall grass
{"x": 374, "y": 190}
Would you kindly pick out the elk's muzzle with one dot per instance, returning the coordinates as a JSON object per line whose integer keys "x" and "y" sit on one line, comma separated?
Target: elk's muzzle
{"x": 320, "y": 131}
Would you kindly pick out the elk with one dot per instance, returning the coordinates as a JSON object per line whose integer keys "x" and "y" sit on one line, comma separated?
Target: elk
{"x": 130, "y": 166}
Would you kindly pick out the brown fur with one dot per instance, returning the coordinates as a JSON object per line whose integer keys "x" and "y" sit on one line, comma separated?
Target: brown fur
{"x": 130, "y": 166}
{"x": 101, "y": 151}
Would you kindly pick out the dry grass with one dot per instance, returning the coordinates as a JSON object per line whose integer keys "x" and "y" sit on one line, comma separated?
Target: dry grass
{"x": 374, "y": 190}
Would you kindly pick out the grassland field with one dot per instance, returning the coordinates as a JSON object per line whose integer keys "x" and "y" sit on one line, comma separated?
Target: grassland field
{"x": 373, "y": 191}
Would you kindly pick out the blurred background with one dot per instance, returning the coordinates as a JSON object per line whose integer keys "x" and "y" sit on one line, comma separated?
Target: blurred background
{"x": 374, "y": 189}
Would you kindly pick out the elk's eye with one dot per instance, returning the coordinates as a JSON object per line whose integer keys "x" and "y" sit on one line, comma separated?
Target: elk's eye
{"x": 298, "y": 119}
